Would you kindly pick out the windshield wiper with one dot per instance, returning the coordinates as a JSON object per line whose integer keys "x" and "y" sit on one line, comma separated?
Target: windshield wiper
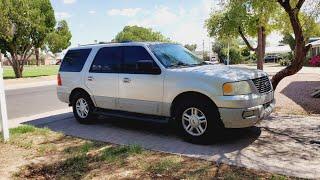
{"x": 181, "y": 64}
{"x": 202, "y": 63}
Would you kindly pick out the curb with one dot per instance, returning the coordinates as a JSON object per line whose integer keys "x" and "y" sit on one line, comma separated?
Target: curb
{"x": 29, "y": 85}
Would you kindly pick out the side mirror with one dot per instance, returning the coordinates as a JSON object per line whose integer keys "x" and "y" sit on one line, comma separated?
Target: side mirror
{"x": 148, "y": 67}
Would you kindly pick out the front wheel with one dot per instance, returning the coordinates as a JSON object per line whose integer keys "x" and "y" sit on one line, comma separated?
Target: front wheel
{"x": 83, "y": 109}
{"x": 199, "y": 122}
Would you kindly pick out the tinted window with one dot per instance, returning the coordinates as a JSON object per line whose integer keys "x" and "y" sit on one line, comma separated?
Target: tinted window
{"x": 133, "y": 54}
{"x": 107, "y": 60}
{"x": 74, "y": 60}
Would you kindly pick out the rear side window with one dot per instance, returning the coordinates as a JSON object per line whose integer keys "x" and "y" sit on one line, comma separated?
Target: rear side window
{"x": 133, "y": 54}
{"x": 74, "y": 60}
{"x": 107, "y": 60}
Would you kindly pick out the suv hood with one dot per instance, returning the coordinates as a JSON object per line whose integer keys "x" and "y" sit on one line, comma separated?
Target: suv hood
{"x": 229, "y": 73}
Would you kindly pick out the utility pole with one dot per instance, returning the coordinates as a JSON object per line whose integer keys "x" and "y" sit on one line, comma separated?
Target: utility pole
{"x": 3, "y": 107}
{"x": 228, "y": 59}
{"x": 203, "y": 49}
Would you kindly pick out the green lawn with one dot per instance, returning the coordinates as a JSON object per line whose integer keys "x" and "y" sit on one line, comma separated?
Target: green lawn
{"x": 32, "y": 71}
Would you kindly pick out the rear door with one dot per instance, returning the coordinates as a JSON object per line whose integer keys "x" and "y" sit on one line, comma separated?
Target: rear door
{"x": 139, "y": 91}
{"x": 103, "y": 77}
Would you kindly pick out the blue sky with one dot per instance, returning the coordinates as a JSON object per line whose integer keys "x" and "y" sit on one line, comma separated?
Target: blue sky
{"x": 181, "y": 21}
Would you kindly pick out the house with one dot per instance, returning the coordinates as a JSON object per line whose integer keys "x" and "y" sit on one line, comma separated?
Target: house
{"x": 46, "y": 58}
{"x": 281, "y": 49}
{"x": 315, "y": 50}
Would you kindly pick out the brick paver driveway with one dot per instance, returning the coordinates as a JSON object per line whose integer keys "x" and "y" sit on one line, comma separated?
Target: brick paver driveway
{"x": 281, "y": 144}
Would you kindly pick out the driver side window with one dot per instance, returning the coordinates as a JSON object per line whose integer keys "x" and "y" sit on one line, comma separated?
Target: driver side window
{"x": 132, "y": 55}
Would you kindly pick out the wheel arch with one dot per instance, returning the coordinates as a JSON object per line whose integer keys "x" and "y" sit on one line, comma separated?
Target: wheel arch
{"x": 76, "y": 91}
{"x": 187, "y": 95}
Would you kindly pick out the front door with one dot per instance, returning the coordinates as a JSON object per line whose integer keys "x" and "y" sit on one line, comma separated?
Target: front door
{"x": 139, "y": 91}
{"x": 103, "y": 77}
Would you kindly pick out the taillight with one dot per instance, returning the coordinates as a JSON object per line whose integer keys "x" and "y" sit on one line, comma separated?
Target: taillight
{"x": 59, "y": 80}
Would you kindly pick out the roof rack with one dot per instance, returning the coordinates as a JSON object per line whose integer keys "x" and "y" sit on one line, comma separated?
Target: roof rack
{"x": 126, "y": 41}
{"x": 95, "y": 43}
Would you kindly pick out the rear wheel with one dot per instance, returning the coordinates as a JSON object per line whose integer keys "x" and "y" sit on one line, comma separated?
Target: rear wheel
{"x": 199, "y": 121}
{"x": 83, "y": 108}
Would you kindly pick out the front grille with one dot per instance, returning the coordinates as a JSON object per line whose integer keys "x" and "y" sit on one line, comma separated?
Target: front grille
{"x": 262, "y": 84}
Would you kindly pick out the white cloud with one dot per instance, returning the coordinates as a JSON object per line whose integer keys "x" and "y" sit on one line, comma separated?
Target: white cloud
{"x": 92, "y": 12}
{"x": 130, "y": 12}
{"x": 181, "y": 25}
{"x": 161, "y": 16}
{"x": 69, "y": 1}
{"x": 62, "y": 15}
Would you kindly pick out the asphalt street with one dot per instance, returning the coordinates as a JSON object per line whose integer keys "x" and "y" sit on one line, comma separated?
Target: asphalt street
{"x": 32, "y": 101}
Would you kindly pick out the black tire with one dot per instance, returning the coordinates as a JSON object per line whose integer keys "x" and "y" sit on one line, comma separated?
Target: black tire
{"x": 91, "y": 117}
{"x": 214, "y": 123}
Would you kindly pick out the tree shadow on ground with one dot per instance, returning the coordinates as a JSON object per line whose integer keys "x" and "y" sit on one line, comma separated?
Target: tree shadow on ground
{"x": 300, "y": 93}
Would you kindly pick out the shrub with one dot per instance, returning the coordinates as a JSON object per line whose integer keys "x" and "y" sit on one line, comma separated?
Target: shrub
{"x": 288, "y": 56}
{"x": 315, "y": 61}
{"x": 285, "y": 62}
{"x": 286, "y": 59}
{"x": 206, "y": 57}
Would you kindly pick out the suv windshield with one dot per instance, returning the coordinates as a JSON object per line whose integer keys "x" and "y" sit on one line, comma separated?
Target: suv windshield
{"x": 174, "y": 55}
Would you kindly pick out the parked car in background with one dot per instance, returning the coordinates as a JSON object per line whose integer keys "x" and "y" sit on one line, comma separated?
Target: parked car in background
{"x": 163, "y": 82}
{"x": 272, "y": 58}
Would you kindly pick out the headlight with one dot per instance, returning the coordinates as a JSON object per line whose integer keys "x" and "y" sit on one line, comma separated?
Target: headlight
{"x": 236, "y": 88}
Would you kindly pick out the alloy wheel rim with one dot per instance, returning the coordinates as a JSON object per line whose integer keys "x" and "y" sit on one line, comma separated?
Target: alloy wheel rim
{"x": 82, "y": 108}
{"x": 194, "y": 121}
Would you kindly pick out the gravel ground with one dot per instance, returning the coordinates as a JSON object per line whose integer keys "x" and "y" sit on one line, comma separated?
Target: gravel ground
{"x": 293, "y": 93}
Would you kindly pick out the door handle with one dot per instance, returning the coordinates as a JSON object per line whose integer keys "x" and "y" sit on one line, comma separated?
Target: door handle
{"x": 90, "y": 78}
{"x": 126, "y": 80}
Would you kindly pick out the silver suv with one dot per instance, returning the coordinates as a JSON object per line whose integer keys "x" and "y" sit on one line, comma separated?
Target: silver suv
{"x": 162, "y": 82}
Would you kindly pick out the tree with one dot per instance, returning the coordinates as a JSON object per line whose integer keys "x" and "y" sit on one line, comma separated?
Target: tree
{"x": 293, "y": 8}
{"x": 221, "y": 48}
{"x": 60, "y": 38}
{"x": 47, "y": 16}
{"x": 289, "y": 39}
{"x": 191, "y": 47}
{"x": 22, "y": 23}
{"x": 245, "y": 18}
{"x": 136, "y": 33}
{"x": 310, "y": 27}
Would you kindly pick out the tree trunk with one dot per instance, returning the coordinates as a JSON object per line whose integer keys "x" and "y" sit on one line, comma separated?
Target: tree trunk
{"x": 17, "y": 68}
{"x": 300, "y": 50}
{"x": 0, "y": 57}
{"x": 260, "y": 50}
{"x": 37, "y": 53}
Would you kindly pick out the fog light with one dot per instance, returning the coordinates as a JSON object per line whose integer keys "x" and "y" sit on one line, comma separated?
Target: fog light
{"x": 247, "y": 114}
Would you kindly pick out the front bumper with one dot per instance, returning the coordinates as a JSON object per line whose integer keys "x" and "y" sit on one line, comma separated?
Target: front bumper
{"x": 237, "y": 117}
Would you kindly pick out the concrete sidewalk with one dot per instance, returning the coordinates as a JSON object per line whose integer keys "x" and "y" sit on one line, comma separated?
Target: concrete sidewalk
{"x": 11, "y": 84}
{"x": 280, "y": 144}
